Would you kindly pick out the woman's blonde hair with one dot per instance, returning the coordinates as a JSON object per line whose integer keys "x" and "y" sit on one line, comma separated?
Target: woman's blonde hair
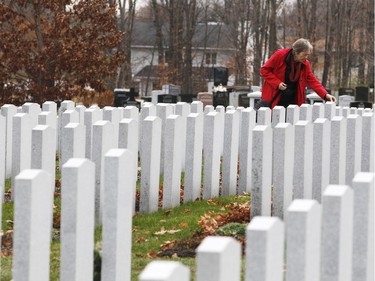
{"x": 302, "y": 45}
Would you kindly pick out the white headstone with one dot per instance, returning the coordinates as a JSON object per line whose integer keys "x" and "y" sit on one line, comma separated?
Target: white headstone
{"x": 148, "y": 109}
{"x": 50, "y": 106}
{"x": 119, "y": 187}
{"x": 183, "y": 109}
{"x": 8, "y": 111}
{"x": 21, "y": 140}
{"x": 65, "y": 105}
{"x": 81, "y": 113}
{"x": 2, "y": 154}
{"x": 150, "y": 164}
{"x": 265, "y": 253}
{"x": 33, "y": 207}
{"x": 163, "y": 110}
{"x": 128, "y": 138}
{"x": 368, "y": 132}
{"x": 208, "y": 109}
{"x": 43, "y": 150}
{"x": 196, "y": 107}
{"x": 260, "y": 191}
{"x": 303, "y": 221}
{"x": 102, "y": 142}
{"x": 303, "y": 147}
{"x": 221, "y": 110}
{"x": 345, "y": 111}
{"x": 305, "y": 112}
{"x": 338, "y": 150}
{"x": 33, "y": 109}
{"x": 77, "y": 220}
{"x": 337, "y": 233}
{"x": 264, "y": 116}
{"x": 211, "y": 150}
{"x": 66, "y": 117}
{"x": 353, "y": 147}
{"x": 112, "y": 114}
{"x": 73, "y": 140}
{"x": 172, "y": 160}
{"x": 321, "y": 156}
{"x": 91, "y": 115}
{"x": 131, "y": 112}
{"x": 278, "y": 115}
{"x": 245, "y": 150}
{"x": 218, "y": 259}
{"x": 363, "y": 227}
{"x": 230, "y": 153}
{"x": 292, "y": 114}
{"x": 329, "y": 110}
{"x": 283, "y": 162}
{"x": 339, "y": 111}
{"x": 193, "y": 160}
{"x": 165, "y": 271}
{"x": 317, "y": 111}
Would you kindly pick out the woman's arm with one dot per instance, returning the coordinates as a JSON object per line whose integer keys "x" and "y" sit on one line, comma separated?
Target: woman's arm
{"x": 314, "y": 84}
{"x": 270, "y": 69}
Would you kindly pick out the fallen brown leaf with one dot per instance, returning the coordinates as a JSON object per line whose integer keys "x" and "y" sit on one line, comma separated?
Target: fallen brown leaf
{"x": 167, "y": 245}
{"x": 152, "y": 255}
{"x": 163, "y": 231}
{"x": 140, "y": 239}
{"x": 211, "y": 202}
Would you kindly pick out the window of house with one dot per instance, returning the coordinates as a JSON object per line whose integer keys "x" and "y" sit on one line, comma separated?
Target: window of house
{"x": 211, "y": 58}
{"x": 164, "y": 60}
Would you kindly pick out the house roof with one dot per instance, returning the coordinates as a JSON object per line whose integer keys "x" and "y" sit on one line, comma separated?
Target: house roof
{"x": 208, "y": 36}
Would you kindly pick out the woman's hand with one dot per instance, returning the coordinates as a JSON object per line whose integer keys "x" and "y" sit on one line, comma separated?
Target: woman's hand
{"x": 329, "y": 97}
{"x": 282, "y": 86}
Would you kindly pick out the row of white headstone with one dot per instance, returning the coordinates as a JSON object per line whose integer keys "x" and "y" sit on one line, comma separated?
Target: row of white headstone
{"x": 331, "y": 240}
{"x": 304, "y": 148}
{"x": 33, "y": 209}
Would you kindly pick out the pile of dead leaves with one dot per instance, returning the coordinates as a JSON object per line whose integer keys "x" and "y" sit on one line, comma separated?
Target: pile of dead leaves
{"x": 7, "y": 243}
{"x": 210, "y": 222}
{"x": 237, "y": 212}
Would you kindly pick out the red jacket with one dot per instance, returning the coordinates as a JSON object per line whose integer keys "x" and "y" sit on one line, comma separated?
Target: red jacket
{"x": 273, "y": 73}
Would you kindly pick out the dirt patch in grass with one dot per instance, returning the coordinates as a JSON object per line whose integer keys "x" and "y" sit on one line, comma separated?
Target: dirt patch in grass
{"x": 182, "y": 248}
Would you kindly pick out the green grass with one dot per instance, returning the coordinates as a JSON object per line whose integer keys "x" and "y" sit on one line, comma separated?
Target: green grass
{"x": 183, "y": 218}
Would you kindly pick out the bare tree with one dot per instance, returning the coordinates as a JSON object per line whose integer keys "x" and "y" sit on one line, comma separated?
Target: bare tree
{"x": 125, "y": 25}
{"x": 369, "y": 33}
{"x": 273, "y": 44}
{"x": 328, "y": 43}
{"x": 190, "y": 24}
{"x": 365, "y": 16}
{"x": 260, "y": 29}
{"x": 236, "y": 14}
{"x": 159, "y": 35}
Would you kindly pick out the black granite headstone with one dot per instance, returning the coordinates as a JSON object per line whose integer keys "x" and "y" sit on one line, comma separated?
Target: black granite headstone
{"x": 125, "y": 97}
{"x": 221, "y": 98}
{"x": 167, "y": 99}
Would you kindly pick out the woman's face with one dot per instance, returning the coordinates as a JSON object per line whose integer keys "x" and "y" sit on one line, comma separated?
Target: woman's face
{"x": 302, "y": 56}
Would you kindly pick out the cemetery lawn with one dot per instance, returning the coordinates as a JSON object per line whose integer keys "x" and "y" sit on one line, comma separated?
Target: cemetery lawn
{"x": 169, "y": 234}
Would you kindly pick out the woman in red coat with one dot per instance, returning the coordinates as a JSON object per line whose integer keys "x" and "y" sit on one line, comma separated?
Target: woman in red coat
{"x": 289, "y": 71}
